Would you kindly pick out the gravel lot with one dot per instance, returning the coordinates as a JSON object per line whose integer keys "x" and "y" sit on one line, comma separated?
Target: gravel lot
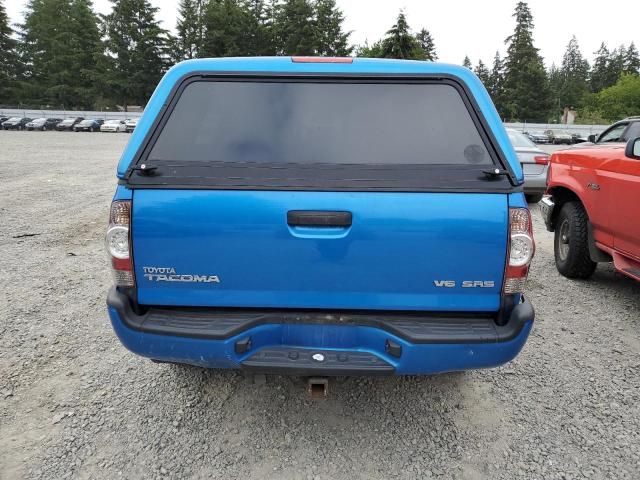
{"x": 75, "y": 404}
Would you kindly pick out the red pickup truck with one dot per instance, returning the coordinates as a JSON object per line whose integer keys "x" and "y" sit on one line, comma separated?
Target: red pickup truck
{"x": 593, "y": 205}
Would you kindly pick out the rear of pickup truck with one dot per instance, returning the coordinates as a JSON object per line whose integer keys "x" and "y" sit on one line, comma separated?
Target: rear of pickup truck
{"x": 332, "y": 217}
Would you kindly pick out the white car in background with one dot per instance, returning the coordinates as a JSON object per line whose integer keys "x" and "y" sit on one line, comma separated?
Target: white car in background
{"x": 114, "y": 126}
{"x": 131, "y": 124}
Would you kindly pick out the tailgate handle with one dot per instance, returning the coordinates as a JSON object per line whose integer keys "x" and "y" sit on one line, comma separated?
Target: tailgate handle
{"x": 314, "y": 218}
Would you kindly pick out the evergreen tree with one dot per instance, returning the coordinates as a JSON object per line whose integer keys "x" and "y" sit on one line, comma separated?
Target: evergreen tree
{"x": 295, "y": 28}
{"x": 603, "y": 74}
{"x": 427, "y": 45}
{"x": 617, "y": 61}
{"x": 483, "y": 73}
{"x": 331, "y": 40}
{"x": 189, "y": 29}
{"x": 467, "y": 62}
{"x": 59, "y": 49}
{"x": 45, "y": 50}
{"x": 88, "y": 48}
{"x": 136, "y": 47}
{"x": 631, "y": 63}
{"x": 8, "y": 59}
{"x": 496, "y": 84}
{"x": 555, "y": 78}
{"x": 575, "y": 76}
{"x": 227, "y": 23}
{"x": 400, "y": 43}
{"x": 259, "y": 28}
{"x": 526, "y": 89}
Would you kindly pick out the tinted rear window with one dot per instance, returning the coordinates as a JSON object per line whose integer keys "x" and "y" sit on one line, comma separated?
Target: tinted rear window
{"x": 320, "y": 123}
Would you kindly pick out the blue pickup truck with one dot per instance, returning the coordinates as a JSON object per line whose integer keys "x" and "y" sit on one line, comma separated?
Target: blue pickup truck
{"x": 320, "y": 217}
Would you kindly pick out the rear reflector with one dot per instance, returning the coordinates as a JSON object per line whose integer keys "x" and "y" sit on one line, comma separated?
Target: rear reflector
{"x": 521, "y": 250}
{"x": 322, "y": 59}
{"x": 118, "y": 243}
{"x": 541, "y": 159}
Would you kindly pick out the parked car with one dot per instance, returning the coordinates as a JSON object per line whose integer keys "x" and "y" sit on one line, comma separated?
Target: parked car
{"x": 131, "y": 124}
{"x": 535, "y": 163}
{"x": 15, "y": 123}
{"x": 592, "y": 206}
{"x": 538, "y": 137}
{"x": 69, "y": 123}
{"x": 3, "y": 119}
{"x": 558, "y": 137}
{"x": 89, "y": 125}
{"x": 113, "y": 126}
{"x": 274, "y": 242}
{"x": 577, "y": 138}
{"x": 619, "y": 132}
{"x": 43, "y": 124}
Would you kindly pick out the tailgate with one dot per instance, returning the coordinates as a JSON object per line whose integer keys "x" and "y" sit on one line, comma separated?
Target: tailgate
{"x": 388, "y": 177}
{"x": 404, "y": 251}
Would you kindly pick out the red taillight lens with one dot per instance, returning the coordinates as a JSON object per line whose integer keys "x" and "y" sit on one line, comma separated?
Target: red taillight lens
{"x": 521, "y": 250}
{"x": 541, "y": 159}
{"x": 118, "y": 243}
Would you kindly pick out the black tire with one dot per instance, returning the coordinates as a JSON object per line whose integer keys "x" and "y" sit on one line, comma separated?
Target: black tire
{"x": 571, "y": 242}
{"x": 533, "y": 197}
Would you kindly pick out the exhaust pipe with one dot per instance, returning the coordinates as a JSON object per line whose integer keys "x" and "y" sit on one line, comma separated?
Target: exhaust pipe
{"x": 318, "y": 387}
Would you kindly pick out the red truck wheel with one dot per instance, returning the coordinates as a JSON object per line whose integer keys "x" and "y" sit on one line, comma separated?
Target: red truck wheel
{"x": 571, "y": 242}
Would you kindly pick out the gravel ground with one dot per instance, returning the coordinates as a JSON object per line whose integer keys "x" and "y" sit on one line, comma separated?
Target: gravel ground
{"x": 75, "y": 404}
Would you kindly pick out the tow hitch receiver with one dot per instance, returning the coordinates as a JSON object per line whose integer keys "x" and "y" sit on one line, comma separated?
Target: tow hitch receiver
{"x": 318, "y": 387}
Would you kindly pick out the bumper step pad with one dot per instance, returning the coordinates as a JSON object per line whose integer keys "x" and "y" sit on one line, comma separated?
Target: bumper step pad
{"x": 303, "y": 361}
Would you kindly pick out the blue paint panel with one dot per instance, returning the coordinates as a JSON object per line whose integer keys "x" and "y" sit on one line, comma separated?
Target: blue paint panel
{"x": 123, "y": 193}
{"x": 397, "y": 246}
{"x": 285, "y": 65}
{"x": 416, "y": 358}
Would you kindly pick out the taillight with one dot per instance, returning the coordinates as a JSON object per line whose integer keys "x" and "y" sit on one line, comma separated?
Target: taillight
{"x": 118, "y": 243}
{"x": 301, "y": 59}
{"x": 521, "y": 250}
{"x": 541, "y": 159}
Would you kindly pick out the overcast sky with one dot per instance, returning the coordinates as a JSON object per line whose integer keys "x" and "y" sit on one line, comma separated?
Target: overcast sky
{"x": 469, "y": 27}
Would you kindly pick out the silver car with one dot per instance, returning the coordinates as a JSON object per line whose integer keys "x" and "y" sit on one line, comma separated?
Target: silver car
{"x": 535, "y": 164}
{"x": 557, "y": 137}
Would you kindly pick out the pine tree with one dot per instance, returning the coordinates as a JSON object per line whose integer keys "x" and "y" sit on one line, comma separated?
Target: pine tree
{"x": 295, "y": 29}
{"x": 400, "y": 43}
{"x": 526, "y": 88}
{"x": 226, "y": 23}
{"x": 88, "y": 48}
{"x": 602, "y": 73}
{"x": 467, "y": 62}
{"x": 631, "y": 64}
{"x": 331, "y": 40}
{"x": 483, "y": 72}
{"x": 189, "y": 29}
{"x": 575, "y": 76}
{"x": 8, "y": 59}
{"x": 555, "y": 78}
{"x": 45, "y": 49}
{"x": 259, "y": 28}
{"x": 137, "y": 50}
{"x": 617, "y": 61}
{"x": 495, "y": 85}
{"x": 427, "y": 45}
{"x": 60, "y": 43}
